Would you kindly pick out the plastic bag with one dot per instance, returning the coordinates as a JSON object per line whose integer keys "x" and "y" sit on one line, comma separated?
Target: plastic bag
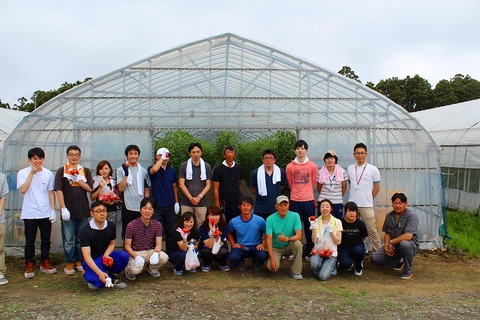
{"x": 108, "y": 196}
{"x": 324, "y": 246}
{"x": 216, "y": 246}
{"x": 191, "y": 259}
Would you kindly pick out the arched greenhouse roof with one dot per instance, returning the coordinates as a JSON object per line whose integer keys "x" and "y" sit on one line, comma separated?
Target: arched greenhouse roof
{"x": 228, "y": 82}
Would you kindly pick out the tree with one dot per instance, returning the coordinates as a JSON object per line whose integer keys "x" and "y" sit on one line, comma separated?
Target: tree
{"x": 418, "y": 94}
{"x": 392, "y": 88}
{"x": 443, "y": 94}
{"x": 349, "y": 73}
{"x": 4, "y": 105}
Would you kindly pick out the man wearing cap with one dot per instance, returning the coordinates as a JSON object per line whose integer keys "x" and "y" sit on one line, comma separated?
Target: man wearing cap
{"x": 226, "y": 184}
{"x": 284, "y": 237}
{"x": 332, "y": 183}
{"x": 163, "y": 180}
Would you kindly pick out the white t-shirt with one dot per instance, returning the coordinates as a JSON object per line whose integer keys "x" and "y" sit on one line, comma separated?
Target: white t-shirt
{"x": 36, "y": 201}
{"x": 322, "y": 232}
{"x": 361, "y": 180}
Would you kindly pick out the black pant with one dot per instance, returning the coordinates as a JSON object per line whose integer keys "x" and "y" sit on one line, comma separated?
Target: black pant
{"x": 31, "y": 226}
{"x": 168, "y": 219}
{"x": 128, "y": 216}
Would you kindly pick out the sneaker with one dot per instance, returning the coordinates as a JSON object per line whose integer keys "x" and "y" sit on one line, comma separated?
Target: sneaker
{"x": 154, "y": 273}
{"x": 290, "y": 258}
{"x": 406, "y": 276}
{"x": 192, "y": 270}
{"x": 69, "y": 268}
{"x": 78, "y": 266}
{"x": 177, "y": 272}
{"x": 257, "y": 266}
{"x": 3, "y": 280}
{"x": 205, "y": 268}
{"x": 119, "y": 285}
{"x": 241, "y": 266}
{"x": 350, "y": 268}
{"x": 30, "y": 270}
{"x": 225, "y": 268}
{"x": 129, "y": 276}
{"x": 307, "y": 258}
{"x": 47, "y": 267}
{"x": 91, "y": 286}
{"x": 358, "y": 273}
{"x": 296, "y": 276}
{"x": 399, "y": 266}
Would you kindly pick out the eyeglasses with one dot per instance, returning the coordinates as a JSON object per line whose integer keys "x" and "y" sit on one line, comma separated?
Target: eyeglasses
{"x": 100, "y": 211}
{"x": 74, "y": 155}
{"x": 268, "y": 158}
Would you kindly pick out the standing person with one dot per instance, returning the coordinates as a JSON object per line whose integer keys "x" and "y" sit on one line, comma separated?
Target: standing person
{"x": 194, "y": 180}
{"x": 101, "y": 180}
{"x": 72, "y": 182}
{"x": 101, "y": 263}
{"x": 163, "y": 179}
{"x": 351, "y": 251}
{"x": 326, "y": 234}
{"x": 213, "y": 232}
{"x": 227, "y": 178}
{"x": 266, "y": 182}
{"x": 248, "y": 228}
{"x": 401, "y": 238}
{"x": 186, "y": 234}
{"x": 364, "y": 181}
{"x": 133, "y": 185}
{"x": 36, "y": 184}
{"x": 332, "y": 183}
{"x": 284, "y": 237}
{"x": 3, "y": 198}
{"x": 143, "y": 242}
{"x": 301, "y": 177}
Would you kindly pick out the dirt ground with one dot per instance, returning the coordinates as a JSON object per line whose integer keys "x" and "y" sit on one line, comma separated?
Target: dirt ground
{"x": 444, "y": 286}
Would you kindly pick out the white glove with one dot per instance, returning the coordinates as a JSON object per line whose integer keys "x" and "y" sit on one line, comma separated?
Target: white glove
{"x": 65, "y": 214}
{"x": 313, "y": 224}
{"x": 108, "y": 283}
{"x": 139, "y": 262}
{"x": 154, "y": 259}
{"x": 74, "y": 177}
{"x": 329, "y": 228}
{"x": 53, "y": 216}
{"x": 191, "y": 246}
{"x": 177, "y": 208}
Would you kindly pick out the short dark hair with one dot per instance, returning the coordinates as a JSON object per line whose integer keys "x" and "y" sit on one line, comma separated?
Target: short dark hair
{"x": 301, "y": 143}
{"x": 193, "y": 145}
{"x": 146, "y": 200}
{"x": 245, "y": 198}
{"x": 401, "y": 196}
{"x": 360, "y": 145}
{"x": 352, "y": 206}
{"x": 74, "y": 148}
{"x": 95, "y": 204}
{"x": 229, "y": 147}
{"x": 329, "y": 155}
{"x": 38, "y": 152}
{"x": 215, "y": 211}
{"x": 187, "y": 216}
{"x": 269, "y": 151}
{"x": 102, "y": 164}
{"x": 325, "y": 200}
{"x": 130, "y": 148}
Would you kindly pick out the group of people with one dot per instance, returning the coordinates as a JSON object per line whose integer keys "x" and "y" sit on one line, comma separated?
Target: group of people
{"x": 267, "y": 229}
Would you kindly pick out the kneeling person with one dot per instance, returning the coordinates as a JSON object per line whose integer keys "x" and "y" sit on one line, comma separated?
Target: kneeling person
{"x": 143, "y": 242}
{"x": 284, "y": 237}
{"x": 101, "y": 263}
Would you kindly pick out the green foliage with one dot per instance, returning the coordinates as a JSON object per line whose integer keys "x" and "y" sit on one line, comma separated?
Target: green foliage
{"x": 464, "y": 228}
{"x": 4, "y": 105}
{"x": 349, "y": 73}
{"x": 224, "y": 138}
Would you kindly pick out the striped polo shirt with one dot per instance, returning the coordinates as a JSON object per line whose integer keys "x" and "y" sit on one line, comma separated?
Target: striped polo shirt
{"x": 143, "y": 237}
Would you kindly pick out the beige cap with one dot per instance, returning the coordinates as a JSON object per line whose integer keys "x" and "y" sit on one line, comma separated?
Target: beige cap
{"x": 331, "y": 152}
{"x": 281, "y": 199}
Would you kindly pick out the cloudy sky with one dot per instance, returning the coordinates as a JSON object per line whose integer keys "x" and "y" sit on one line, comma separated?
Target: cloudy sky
{"x": 45, "y": 43}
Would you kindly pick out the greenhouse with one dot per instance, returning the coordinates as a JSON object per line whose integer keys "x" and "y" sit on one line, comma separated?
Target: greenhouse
{"x": 231, "y": 83}
{"x": 456, "y": 129}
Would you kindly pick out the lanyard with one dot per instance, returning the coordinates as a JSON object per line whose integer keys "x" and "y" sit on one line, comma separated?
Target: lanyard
{"x": 331, "y": 179}
{"x": 361, "y": 175}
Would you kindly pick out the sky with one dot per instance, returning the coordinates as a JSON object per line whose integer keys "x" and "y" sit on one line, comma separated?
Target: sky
{"x": 46, "y": 43}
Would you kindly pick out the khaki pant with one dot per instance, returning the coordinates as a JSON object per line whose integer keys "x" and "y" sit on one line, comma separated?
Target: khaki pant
{"x": 200, "y": 213}
{"x": 368, "y": 216}
{"x": 146, "y": 254}
{"x": 295, "y": 248}
{"x": 3, "y": 269}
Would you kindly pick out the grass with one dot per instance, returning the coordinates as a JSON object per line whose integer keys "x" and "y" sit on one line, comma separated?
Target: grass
{"x": 464, "y": 229}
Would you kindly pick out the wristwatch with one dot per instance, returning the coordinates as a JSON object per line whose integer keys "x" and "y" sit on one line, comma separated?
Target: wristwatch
{"x": 391, "y": 242}
{"x": 289, "y": 239}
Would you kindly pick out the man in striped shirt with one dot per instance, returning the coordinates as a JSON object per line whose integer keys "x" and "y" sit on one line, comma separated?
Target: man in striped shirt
{"x": 143, "y": 242}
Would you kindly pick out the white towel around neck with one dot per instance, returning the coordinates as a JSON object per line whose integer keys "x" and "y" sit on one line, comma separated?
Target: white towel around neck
{"x": 189, "y": 170}
{"x": 261, "y": 184}
{"x": 139, "y": 178}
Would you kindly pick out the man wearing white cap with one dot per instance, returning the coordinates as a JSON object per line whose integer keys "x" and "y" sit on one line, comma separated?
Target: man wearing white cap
{"x": 164, "y": 190}
{"x": 284, "y": 237}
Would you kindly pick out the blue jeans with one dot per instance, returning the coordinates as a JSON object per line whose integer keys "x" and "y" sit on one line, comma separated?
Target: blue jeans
{"x": 305, "y": 209}
{"x": 120, "y": 260}
{"x": 322, "y": 267}
{"x": 71, "y": 238}
{"x": 31, "y": 227}
{"x": 238, "y": 255}
{"x": 166, "y": 216}
{"x": 348, "y": 256}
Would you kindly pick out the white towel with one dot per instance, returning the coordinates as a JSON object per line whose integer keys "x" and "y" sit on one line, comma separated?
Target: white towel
{"x": 261, "y": 184}
{"x": 189, "y": 171}
{"x": 139, "y": 179}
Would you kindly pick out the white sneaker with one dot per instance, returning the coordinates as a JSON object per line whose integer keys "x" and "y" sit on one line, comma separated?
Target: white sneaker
{"x": 3, "y": 280}
{"x": 153, "y": 273}
{"x": 358, "y": 273}
{"x": 290, "y": 258}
